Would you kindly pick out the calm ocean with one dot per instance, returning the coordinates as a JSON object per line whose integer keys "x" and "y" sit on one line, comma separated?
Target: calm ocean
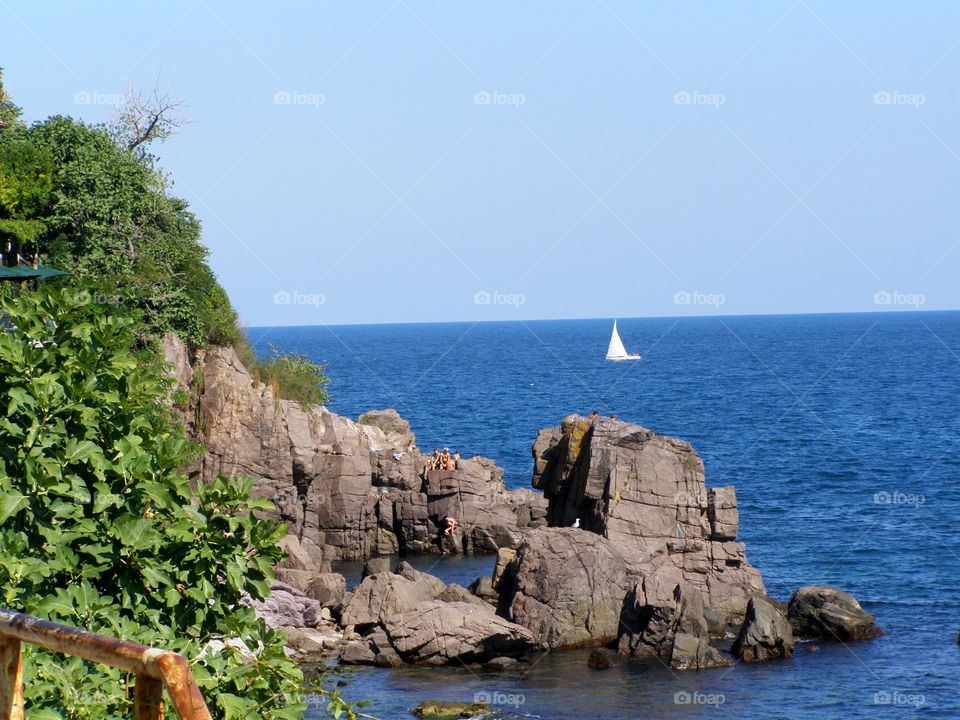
{"x": 840, "y": 432}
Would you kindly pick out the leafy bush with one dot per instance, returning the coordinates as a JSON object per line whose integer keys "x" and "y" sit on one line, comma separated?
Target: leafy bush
{"x": 99, "y": 529}
{"x": 295, "y": 377}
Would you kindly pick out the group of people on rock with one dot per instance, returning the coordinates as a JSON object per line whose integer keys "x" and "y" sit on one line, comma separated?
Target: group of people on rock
{"x": 595, "y": 415}
{"x": 444, "y": 460}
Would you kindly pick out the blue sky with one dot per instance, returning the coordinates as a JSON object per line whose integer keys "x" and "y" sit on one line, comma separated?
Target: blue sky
{"x": 430, "y": 161}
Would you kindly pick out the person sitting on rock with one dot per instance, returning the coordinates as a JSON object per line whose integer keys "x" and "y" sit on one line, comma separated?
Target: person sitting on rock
{"x": 445, "y": 459}
{"x": 451, "y": 525}
{"x": 435, "y": 462}
{"x": 456, "y": 460}
{"x": 594, "y": 416}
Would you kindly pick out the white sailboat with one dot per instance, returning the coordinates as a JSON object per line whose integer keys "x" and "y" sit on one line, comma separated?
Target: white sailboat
{"x": 616, "y": 350}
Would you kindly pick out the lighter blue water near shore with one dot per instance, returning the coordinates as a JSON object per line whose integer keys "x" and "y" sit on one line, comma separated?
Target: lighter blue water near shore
{"x": 840, "y": 433}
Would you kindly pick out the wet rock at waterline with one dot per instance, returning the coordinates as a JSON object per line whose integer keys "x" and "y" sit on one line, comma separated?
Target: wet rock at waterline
{"x": 826, "y": 612}
{"x": 765, "y": 634}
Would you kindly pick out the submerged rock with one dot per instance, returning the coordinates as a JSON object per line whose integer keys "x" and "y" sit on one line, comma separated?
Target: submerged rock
{"x": 434, "y": 710}
{"x": 824, "y": 611}
{"x": 765, "y": 634}
{"x": 601, "y": 659}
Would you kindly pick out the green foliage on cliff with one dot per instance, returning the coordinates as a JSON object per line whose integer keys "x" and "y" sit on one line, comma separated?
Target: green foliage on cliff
{"x": 100, "y": 529}
{"x": 295, "y": 377}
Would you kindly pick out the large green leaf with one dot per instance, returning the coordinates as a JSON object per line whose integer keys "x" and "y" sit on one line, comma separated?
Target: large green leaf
{"x": 10, "y": 504}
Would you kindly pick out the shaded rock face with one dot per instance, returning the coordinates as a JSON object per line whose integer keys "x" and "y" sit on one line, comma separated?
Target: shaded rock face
{"x": 765, "y": 634}
{"x": 348, "y": 490}
{"x": 826, "y": 612}
{"x": 670, "y": 624}
{"x": 647, "y": 492}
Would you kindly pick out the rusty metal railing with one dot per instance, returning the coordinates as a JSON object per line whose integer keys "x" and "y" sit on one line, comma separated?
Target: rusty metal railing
{"x": 154, "y": 669}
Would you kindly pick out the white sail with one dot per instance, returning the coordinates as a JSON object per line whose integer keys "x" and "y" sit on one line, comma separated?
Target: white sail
{"x": 616, "y": 350}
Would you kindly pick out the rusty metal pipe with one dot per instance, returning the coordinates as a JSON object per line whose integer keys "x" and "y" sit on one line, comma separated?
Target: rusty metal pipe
{"x": 169, "y": 667}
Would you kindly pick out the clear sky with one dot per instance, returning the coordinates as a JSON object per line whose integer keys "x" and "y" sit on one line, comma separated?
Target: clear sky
{"x": 428, "y": 161}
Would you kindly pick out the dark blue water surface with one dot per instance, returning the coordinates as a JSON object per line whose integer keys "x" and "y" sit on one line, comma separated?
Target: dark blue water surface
{"x": 840, "y": 432}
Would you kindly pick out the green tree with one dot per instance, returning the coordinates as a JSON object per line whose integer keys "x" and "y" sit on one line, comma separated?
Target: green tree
{"x": 9, "y": 113}
{"x": 100, "y": 529}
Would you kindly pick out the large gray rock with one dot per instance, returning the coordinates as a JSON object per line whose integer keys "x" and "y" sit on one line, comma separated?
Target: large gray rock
{"x": 823, "y": 611}
{"x": 329, "y": 589}
{"x": 765, "y": 634}
{"x": 383, "y": 596}
{"x": 648, "y": 493}
{"x": 347, "y": 490}
{"x": 439, "y": 633}
{"x": 568, "y": 587}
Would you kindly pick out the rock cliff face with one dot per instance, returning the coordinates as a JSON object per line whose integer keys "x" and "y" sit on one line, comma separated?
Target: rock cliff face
{"x": 349, "y": 490}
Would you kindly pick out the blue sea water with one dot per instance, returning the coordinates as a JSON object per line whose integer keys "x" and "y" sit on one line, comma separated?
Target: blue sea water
{"x": 840, "y": 432}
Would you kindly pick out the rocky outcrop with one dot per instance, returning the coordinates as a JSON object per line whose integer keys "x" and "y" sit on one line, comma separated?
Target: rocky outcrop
{"x": 441, "y": 633}
{"x": 348, "y": 490}
{"x": 826, "y": 612}
{"x": 765, "y": 634}
{"x": 647, "y": 492}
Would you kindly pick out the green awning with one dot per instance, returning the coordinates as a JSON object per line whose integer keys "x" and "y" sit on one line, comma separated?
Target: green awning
{"x": 26, "y": 272}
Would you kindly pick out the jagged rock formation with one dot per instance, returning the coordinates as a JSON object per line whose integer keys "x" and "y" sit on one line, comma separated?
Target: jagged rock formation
{"x": 349, "y": 490}
{"x": 647, "y": 492}
{"x": 639, "y": 551}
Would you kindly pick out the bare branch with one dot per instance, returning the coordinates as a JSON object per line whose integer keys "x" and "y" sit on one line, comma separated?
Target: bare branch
{"x": 146, "y": 117}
